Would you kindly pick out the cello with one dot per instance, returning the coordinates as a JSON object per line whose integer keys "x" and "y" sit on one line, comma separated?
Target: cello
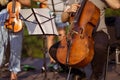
{"x": 78, "y": 50}
{"x": 13, "y": 23}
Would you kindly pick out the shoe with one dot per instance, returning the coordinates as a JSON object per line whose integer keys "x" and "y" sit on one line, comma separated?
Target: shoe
{"x": 52, "y": 67}
{"x": 78, "y": 77}
{"x": 55, "y": 67}
{"x": 78, "y": 74}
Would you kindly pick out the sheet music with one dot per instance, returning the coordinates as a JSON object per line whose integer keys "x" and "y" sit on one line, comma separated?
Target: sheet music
{"x": 45, "y": 19}
{"x": 59, "y": 5}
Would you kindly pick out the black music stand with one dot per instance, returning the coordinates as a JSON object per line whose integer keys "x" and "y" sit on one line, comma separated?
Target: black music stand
{"x": 39, "y": 22}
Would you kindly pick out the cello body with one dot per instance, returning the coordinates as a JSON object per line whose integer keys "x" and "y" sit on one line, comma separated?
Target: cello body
{"x": 78, "y": 51}
{"x": 13, "y": 23}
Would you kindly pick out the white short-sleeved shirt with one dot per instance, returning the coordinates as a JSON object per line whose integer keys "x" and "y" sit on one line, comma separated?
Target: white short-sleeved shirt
{"x": 102, "y": 6}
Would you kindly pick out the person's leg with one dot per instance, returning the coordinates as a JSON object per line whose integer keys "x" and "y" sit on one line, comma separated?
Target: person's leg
{"x": 101, "y": 44}
{"x": 3, "y": 43}
{"x": 15, "y": 55}
{"x": 3, "y": 35}
{"x": 1, "y": 51}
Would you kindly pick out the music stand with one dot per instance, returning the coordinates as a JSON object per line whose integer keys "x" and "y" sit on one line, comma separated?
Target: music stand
{"x": 39, "y": 22}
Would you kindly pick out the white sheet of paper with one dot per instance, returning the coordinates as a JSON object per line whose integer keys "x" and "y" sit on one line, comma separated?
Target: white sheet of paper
{"x": 58, "y": 5}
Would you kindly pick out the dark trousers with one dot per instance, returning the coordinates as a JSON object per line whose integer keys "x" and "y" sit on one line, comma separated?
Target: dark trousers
{"x": 101, "y": 44}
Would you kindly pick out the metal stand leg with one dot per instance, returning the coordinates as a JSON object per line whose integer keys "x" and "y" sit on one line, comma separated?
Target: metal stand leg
{"x": 69, "y": 73}
{"x": 117, "y": 52}
{"x": 44, "y": 56}
{"x": 106, "y": 65}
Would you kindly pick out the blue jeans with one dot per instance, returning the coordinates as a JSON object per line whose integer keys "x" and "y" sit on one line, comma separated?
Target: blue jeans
{"x": 15, "y": 47}
{"x": 15, "y": 51}
{"x": 3, "y": 35}
{"x": 3, "y": 42}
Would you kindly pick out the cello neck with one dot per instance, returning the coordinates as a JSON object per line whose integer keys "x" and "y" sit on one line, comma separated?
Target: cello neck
{"x": 79, "y": 11}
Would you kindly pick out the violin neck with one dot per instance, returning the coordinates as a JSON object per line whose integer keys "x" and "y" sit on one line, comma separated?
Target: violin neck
{"x": 13, "y": 5}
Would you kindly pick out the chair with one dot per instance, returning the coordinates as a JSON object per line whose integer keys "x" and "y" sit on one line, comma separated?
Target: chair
{"x": 114, "y": 45}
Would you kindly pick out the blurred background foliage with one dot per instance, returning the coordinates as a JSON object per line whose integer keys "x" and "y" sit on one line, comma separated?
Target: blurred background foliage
{"x": 33, "y": 45}
{"x": 110, "y": 12}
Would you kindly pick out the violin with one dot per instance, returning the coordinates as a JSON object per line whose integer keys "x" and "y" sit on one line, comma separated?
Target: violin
{"x": 78, "y": 50}
{"x": 13, "y": 23}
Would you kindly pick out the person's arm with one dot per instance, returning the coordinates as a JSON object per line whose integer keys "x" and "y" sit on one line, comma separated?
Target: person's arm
{"x": 68, "y": 10}
{"x": 65, "y": 17}
{"x": 115, "y": 4}
{"x": 25, "y": 2}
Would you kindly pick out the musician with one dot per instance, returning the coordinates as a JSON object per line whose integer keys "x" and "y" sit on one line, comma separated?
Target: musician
{"x": 100, "y": 33}
{"x": 60, "y": 27}
{"x": 15, "y": 39}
